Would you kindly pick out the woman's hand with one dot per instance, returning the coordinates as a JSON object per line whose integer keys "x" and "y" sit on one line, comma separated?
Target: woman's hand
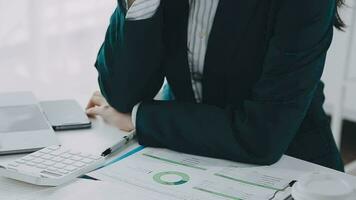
{"x": 98, "y": 106}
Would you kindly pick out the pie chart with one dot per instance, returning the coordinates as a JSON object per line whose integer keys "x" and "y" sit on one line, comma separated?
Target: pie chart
{"x": 171, "y": 178}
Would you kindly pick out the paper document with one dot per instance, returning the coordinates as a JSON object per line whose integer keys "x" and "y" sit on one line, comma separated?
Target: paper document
{"x": 190, "y": 177}
{"x": 88, "y": 189}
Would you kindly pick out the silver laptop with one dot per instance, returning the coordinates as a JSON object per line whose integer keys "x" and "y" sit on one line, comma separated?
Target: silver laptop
{"x": 23, "y": 126}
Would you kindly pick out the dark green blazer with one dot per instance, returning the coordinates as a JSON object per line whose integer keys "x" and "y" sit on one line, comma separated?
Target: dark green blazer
{"x": 262, "y": 94}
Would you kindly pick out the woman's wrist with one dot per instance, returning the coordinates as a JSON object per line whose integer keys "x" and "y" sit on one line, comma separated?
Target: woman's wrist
{"x": 127, "y": 123}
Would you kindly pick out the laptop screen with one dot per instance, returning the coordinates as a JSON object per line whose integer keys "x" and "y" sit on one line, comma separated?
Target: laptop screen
{"x": 21, "y": 118}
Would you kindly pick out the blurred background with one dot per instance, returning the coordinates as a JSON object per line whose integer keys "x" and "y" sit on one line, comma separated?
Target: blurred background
{"x": 49, "y": 47}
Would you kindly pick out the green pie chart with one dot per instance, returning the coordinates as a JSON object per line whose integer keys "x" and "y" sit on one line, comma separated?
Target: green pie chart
{"x": 164, "y": 178}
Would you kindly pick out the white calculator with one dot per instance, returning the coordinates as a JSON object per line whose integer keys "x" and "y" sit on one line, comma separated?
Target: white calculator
{"x": 51, "y": 166}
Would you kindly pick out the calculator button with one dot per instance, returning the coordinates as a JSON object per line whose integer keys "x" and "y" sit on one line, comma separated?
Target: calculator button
{"x": 14, "y": 164}
{"x": 30, "y": 164}
{"x": 74, "y": 153}
{"x": 95, "y": 157}
{"x": 76, "y": 158}
{"x": 58, "y": 152}
{"x": 37, "y": 154}
{"x": 47, "y": 156}
{"x": 49, "y": 162}
{"x": 59, "y": 165}
{"x": 70, "y": 168}
{"x": 28, "y": 158}
{"x": 52, "y": 169}
{"x": 51, "y": 173}
{"x": 57, "y": 159}
{"x": 38, "y": 160}
{"x": 79, "y": 164}
{"x": 84, "y": 155}
{"x": 46, "y": 150}
{"x": 87, "y": 160}
{"x": 66, "y": 155}
{"x": 68, "y": 162}
{"x": 12, "y": 169}
{"x": 53, "y": 147}
{"x": 20, "y": 161}
{"x": 62, "y": 171}
{"x": 41, "y": 166}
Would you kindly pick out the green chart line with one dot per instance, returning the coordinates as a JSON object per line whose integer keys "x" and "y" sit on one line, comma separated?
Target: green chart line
{"x": 173, "y": 162}
{"x": 217, "y": 193}
{"x": 246, "y": 182}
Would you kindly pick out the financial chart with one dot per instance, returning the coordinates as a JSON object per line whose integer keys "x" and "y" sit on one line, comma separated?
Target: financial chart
{"x": 190, "y": 177}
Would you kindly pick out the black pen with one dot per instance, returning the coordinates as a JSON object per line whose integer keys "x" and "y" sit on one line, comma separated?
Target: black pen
{"x": 126, "y": 139}
{"x": 289, "y": 197}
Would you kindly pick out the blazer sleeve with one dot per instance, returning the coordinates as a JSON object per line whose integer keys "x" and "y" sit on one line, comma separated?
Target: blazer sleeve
{"x": 261, "y": 130}
{"x": 129, "y": 60}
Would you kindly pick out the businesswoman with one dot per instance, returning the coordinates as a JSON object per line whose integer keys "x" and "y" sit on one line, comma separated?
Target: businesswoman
{"x": 244, "y": 74}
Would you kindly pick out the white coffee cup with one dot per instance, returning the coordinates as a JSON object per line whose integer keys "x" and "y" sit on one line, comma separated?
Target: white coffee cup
{"x": 322, "y": 186}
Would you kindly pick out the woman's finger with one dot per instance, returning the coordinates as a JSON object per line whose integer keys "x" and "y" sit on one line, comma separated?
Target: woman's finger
{"x": 96, "y": 101}
{"x": 97, "y": 93}
{"x": 91, "y": 103}
{"x": 94, "y": 111}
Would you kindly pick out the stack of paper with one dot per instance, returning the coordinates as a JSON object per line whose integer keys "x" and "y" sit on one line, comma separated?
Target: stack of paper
{"x": 189, "y": 177}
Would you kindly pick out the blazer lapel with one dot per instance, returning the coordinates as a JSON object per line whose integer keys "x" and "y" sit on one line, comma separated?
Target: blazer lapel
{"x": 230, "y": 23}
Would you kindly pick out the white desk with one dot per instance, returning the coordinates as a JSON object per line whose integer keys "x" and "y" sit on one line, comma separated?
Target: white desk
{"x": 94, "y": 140}
{"x": 101, "y": 136}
